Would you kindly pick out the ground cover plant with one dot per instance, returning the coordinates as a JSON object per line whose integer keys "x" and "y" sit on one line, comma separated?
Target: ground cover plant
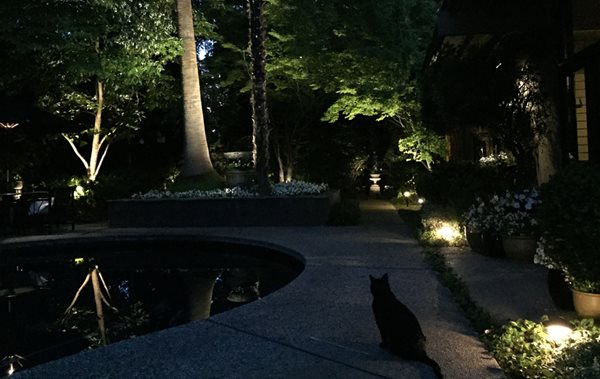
{"x": 525, "y": 349}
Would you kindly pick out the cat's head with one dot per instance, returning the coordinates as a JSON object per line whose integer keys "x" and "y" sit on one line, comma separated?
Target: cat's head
{"x": 379, "y": 285}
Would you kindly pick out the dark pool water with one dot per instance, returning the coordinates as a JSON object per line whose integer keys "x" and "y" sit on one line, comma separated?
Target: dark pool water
{"x": 152, "y": 285}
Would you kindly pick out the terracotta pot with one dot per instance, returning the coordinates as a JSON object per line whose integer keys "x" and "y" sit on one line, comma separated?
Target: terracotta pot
{"x": 475, "y": 240}
{"x": 520, "y": 248}
{"x": 587, "y": 305}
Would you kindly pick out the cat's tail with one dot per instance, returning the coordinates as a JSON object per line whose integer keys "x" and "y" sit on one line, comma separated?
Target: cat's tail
{"x": 428, "y": 361}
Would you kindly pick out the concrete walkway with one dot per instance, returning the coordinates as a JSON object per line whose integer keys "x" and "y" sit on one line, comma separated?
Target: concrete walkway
{"x": 318, "y": 326}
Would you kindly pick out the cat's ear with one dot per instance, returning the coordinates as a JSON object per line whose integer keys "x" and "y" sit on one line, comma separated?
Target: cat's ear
{"x": 385, "y": 277}
{"x": 371, "y": 277}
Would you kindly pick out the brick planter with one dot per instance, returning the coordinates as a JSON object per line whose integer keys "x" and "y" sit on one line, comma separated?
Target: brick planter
{"x": 259, "y": 211}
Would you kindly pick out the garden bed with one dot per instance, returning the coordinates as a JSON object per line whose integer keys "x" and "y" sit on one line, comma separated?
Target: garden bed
{"x": 255, "y": 211}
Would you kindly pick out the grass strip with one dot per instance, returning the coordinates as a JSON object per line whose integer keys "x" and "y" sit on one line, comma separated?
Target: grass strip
{"x": 479, "y": 317}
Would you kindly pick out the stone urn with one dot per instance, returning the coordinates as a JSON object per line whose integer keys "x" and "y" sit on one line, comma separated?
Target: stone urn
{"x": 240, "y": 171}
{"x": 375, "y": 188}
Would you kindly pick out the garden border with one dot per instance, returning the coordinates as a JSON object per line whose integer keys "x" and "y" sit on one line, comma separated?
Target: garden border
{"x": 253, "y": 211}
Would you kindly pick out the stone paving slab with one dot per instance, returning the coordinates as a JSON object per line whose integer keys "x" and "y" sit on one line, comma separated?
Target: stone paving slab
{"x": 320, "y": 325}
{"x": 509, "y": 290}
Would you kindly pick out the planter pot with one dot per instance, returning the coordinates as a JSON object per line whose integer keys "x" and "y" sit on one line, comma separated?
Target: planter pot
{"x": 492, "y": 245}
{"x": 253, "y": 211}
{"x": 240, "y": 178}
{"x": 587, "y": 305}
{"x": 475, "y": 240}
{"x": 519, "y": 248}
{"x": 559, "y": 290}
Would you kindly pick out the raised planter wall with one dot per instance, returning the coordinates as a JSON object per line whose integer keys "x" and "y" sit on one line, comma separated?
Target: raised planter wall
{"x": 260, "y": 211}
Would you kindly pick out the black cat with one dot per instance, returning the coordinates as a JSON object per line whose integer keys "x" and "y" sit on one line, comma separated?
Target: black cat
{"x": 400, "y": 331}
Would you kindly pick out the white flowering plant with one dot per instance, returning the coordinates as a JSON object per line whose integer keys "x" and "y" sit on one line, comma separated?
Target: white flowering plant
{"x": 509, "y": 214}
{"x": 475, "y": 219}
{"x": 289, "y": 189}
{"x": 501, "y": 158}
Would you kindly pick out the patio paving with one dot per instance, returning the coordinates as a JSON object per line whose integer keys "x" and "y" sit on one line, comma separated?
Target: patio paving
{"x": 320, "y": 325}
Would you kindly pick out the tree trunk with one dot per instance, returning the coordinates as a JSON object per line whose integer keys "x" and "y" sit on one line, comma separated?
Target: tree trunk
{"x": 547, "y": 152}
{"x": 98, "y": 302}
{"x": 94, "y": 153}
{"x": 97, "y": 155}
{"x": 196, "y": 159}
{"x": 258, "y": 98}
{"x": 200, "y": 294}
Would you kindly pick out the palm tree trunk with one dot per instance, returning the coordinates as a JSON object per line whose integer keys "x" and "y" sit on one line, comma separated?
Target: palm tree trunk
{"x": 196, "y": 160}
{"x": 258, "y": 98}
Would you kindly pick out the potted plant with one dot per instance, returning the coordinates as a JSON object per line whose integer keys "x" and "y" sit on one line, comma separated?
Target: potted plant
{"x": 570, "y": 217}
{"x": 239, "y": 169}
{"x": 474, "y": 222}
{"x": 482, "y": 226}
{"x": 518, "y": 225}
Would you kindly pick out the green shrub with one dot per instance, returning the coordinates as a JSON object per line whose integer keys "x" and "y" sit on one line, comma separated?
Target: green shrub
{"x": 346, "y": 212}
{"x": 458, "y": 184}
{"x": 436, "y": 220}
{"x": 205, "y": 182}
{"x": 524, "y": 350}
{"x": 569, "y": 217}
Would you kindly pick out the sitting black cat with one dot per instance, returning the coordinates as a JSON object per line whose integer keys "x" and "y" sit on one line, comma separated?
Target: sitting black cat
{"x": 400, "y": 331}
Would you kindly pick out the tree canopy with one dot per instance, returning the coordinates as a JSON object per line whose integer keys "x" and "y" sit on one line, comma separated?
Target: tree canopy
{"x": 98, "y": 64}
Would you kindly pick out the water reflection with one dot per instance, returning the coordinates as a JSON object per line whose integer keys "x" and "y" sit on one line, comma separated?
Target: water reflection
{"x": 136, "y": 300}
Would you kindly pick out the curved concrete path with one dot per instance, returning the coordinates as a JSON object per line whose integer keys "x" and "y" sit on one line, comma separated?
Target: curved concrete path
{"x": 318, "y": 326}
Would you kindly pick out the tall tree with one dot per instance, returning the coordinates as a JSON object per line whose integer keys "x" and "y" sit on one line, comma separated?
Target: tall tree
{"x": 258, "y": 96}
{"x": 99, "y": 64}
{"x": 196, "y": 159}
{"x": 366, "y": 54}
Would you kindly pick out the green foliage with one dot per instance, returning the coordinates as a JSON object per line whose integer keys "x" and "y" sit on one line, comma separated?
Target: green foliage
{"x": 422, "y": 145}
{"x": 365, "y": 53}
{"x": 569, "y": 216}
{"x": 346, "y": 212}
{"x": 458, "y": 184}
{"x": 206, "y": 182}
{"x": 91, "y": 201}
{"x": 503, "y": 85}
{"x": 129, "y": 322}
{"x": 433, "y": 218}
{"x": 524, "y": 350}
{"x": 72, "y": 51}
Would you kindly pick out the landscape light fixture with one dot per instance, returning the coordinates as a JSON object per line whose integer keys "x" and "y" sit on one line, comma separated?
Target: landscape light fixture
{"x": 558, "y": 330}
{"x": 447, "y": 232}
{"x": 406, "y": 196}
{"x": 11, "y": 362}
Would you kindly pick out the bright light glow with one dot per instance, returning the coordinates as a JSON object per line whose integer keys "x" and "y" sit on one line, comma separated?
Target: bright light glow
{"x": 11, "y": 369}
{"x": 558, "y": 333}
{"x": 406, "y": 194}
{"x": 8, "y": 125}
{"x": 421, "y": 200}
{"x": 447, "y": 232}
{"x": 79, "y": 192}
{"x": 79, "y": 261}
